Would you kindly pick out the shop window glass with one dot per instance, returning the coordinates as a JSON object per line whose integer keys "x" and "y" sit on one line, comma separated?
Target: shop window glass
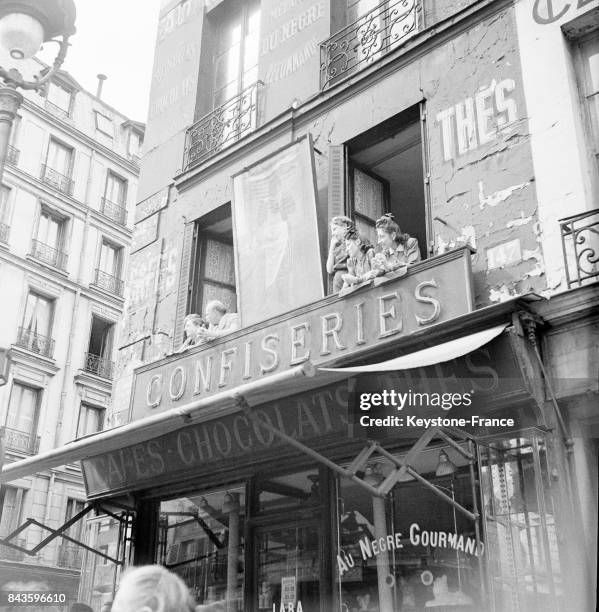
{"x": 290, "y": 492}
{"x": 201, "y": 540}
{"x": 392, "y": 555}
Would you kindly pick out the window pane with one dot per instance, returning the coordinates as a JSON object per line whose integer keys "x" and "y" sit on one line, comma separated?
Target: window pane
{"x": 115, "y": 188}
{"x": 4, "y": 201}
{"x": 38, "y": 314}
{"x": 22, "y": 409}
{"x": 199, "y": 550}
{"x": 49, "y": 230}
{"x": 104, "y": 124}
{"x": 109, "y": 257}
{"x": 91, "y": 420}
{"x": 59, "y": 158}
{"x": 227, "y": 69}
{"x": 211, "y": 292}
{"x": 219, "y": 264}
{"x": 368, "y": 195}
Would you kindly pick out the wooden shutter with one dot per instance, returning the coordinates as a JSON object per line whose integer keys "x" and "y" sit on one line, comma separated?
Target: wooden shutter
{"x": 184, "y": 285}
{"x": 337, "y": 181}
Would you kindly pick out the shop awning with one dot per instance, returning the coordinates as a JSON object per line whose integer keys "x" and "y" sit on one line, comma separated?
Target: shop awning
{"x": 430, "y": 355}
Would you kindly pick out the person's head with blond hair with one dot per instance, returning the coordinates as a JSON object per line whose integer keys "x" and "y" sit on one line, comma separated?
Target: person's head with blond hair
{"x": 152, "y": 588}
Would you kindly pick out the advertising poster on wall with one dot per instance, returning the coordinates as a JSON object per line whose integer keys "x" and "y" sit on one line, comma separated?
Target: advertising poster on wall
{"x": 275, "y": 230}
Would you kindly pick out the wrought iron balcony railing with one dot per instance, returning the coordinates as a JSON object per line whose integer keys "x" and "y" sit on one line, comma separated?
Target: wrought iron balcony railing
{"x": 221, "y": 127}
{"x": 59, "y": 181}
{"x": 37, "y": 343}
{"x": 109, "y": 283}
{"x": 10, "y": 554}
{"x": 56, "y": 110}
{"x": 113, "y": 211}
{"x": 49, "y": 255}
{"x": 4, "y": 232}
{"x": 21, "y": 441}
{"x": 367, "y": 39}
{"x": 12, "y": 155}
{"x": 580, "y": 244}
{"x": 69, "y": 556}
{"x": 98, "y": 365}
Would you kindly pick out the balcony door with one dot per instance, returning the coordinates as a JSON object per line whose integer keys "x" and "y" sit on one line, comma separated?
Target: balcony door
{"x": 22, "y": 418}
{"x": 37, "y": 324}
{"x": 59, "y": 158}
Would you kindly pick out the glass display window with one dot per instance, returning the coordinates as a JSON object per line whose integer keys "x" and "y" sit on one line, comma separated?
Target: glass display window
{"x": 201, "y": 539}
{"x": 412, "y": 550}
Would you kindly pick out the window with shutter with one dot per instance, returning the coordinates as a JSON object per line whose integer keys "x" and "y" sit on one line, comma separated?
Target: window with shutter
{"x": 184, "y": 283}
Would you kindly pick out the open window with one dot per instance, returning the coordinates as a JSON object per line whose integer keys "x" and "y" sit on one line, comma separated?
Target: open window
{"x": 382, "y": 170}
{"x": 212, "y": 274}
{"x": 99, "y": 352}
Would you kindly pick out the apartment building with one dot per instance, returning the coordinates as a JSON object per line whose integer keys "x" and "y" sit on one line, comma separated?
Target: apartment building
{"x": 66, "y": 216}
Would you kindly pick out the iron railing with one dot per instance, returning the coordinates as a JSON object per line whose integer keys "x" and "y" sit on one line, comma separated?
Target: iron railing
{"x": 57, "y": 180}
{"x": 12, "y": 155}
{"x": 580, "y": 245}
{"x": 34, "y": 342}
{"x": 94, "y": 364}
{"x": 10, "y": 554}
{"x": 69, "y": 556}
{"x": 49, "y": 255}
{"x": 4, "y": 232}
{"x": 21, "y": 441}
{"x": 221, "y": 127}
{"x": 367, "y": 39}
{"x": 113, "y": 211}
{"x": 109, "y": 283}
{"x": 56, "y": 110}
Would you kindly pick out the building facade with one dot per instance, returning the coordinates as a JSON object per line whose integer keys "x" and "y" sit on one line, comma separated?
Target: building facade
{"x": 240, "y": 463}
{"x": 66, "y": 217}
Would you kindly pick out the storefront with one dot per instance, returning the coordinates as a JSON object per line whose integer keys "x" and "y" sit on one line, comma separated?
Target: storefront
{"x": 252, "y": 475}
{"x": 278, "y": 499}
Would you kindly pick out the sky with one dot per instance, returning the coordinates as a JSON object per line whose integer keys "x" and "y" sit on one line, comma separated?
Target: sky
{"x": 116, "y": 38}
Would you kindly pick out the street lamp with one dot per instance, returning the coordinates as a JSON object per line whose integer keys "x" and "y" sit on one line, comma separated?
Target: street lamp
{"x": 24, "y": 26}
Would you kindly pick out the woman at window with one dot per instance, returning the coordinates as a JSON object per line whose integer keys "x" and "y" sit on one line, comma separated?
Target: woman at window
{"x": 337, "y": 258}
{"x": 360, "y": 259}
{"x": 399, "y": 250}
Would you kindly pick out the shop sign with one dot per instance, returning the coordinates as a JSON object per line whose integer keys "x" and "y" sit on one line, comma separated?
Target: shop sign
{"x": 321, "y": 413}
{"x": 438, "y": 290}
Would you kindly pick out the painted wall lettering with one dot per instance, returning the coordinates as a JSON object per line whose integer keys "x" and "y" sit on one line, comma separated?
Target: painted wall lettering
{"x": 477, "y": 120}
{"x": 550, "y": 11}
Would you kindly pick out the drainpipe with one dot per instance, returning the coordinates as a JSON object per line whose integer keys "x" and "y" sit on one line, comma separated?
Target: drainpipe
{"x": 67, "y": 365}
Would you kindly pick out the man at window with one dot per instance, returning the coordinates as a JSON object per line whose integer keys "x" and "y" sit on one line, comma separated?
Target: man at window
{"x": 220, "y": 322}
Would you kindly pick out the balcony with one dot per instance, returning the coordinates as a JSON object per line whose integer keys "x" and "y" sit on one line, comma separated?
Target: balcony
{"x": 56, "y": 110}
{"x": 34, "y": 342}
{"x": 12, "y": 155}
{"x": 367, "y": 39}
{"x": 221, "y": 128}
{"x": 59, "y": 181}
{"x": 580, "y": 245}
{"x": 109, "y": 283}
{"x": 113, "y": 211}
{"x": 69, "y": 556}
{"x": 10, "y": 554}
{"x": 4, "y": 232}
{"x": 94, "y": 364}
{"x": 21, "y": 441}
{"x": 48, "y": 255}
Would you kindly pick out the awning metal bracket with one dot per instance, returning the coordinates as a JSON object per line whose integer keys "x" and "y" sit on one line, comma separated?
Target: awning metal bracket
{"x": 356, "y": 467}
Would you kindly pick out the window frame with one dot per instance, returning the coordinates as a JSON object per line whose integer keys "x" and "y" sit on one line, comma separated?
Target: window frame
{"x": 98, "y": 127}
{"x": 68, "y": 91}
{"x": 36, "y": 410}
{"x": 89, "y": 406}
{"x": 119, "y": 256}
{"x": 111, "y": 174}
{"x": 49, "y": 298}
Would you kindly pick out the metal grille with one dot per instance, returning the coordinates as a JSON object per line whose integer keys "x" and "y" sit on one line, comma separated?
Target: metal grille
{"x": 221, "y": 127}
{"x": 57, "y": 180}
{"x": 98, "y": 365}
{"x": 109, "y": 283}
{"x": 48, "y": 254}
{"x": 21, "y": 441}
{"x": 114, "y": 211}
{"x": 12, "y": 155}
{"x": 580, "y": 245}
{"x": 367, "y": 39}
{"x": 36, "y": 343}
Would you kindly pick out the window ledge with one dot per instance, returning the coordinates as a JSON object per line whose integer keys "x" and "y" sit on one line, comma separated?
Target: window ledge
{"x": 48, "y": 266}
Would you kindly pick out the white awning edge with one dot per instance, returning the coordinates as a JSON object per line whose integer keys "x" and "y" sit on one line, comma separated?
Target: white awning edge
{"x": 431, "y": 355}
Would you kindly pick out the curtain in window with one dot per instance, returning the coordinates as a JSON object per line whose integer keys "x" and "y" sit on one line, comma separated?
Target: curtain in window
{"x": 59, "y": 158}
{"x": 22, "y": 409}
{"x": 109, "y": 259}
{"x": 49, "y": 230}
{"x": 38, "y": 315}
{"x": 115, "y": 189}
